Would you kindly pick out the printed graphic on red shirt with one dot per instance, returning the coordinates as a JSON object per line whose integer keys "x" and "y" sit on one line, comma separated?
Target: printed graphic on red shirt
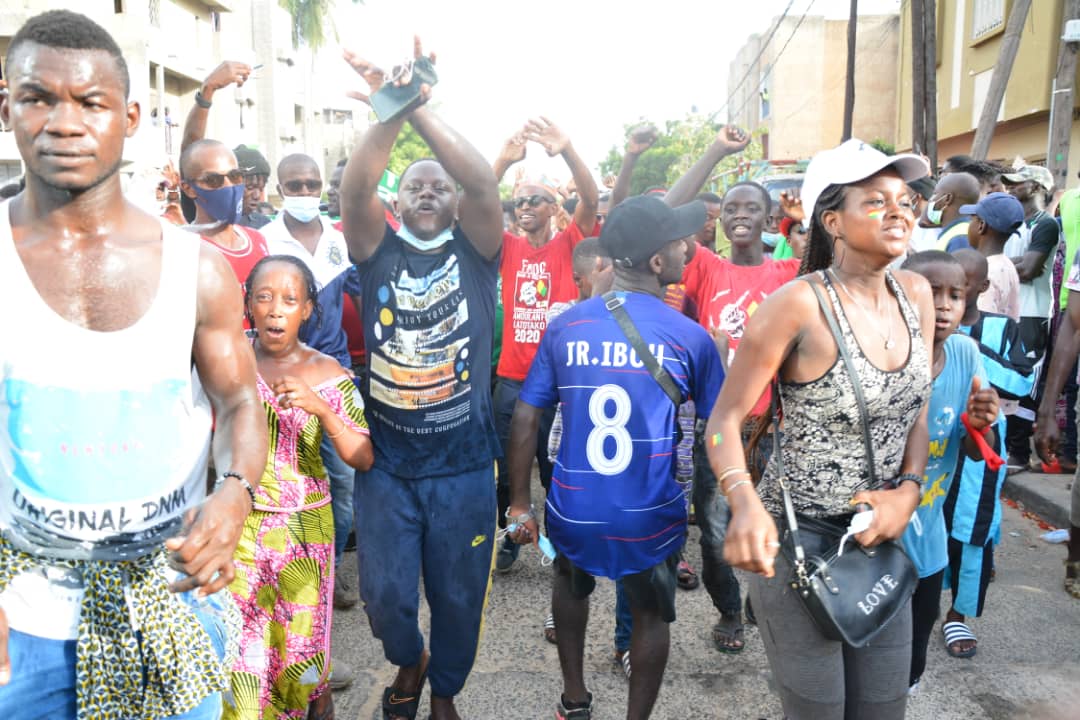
{"x": 532, "y": 291}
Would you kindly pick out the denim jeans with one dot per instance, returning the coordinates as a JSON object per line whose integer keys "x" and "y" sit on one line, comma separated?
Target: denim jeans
{"x": 42, "y": 683}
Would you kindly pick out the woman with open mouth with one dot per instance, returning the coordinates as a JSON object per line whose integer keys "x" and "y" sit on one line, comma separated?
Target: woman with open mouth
{"x": 285, "y": 560}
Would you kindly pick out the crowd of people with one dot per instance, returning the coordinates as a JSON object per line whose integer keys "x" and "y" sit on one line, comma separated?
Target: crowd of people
{"x": 872, "y": 353}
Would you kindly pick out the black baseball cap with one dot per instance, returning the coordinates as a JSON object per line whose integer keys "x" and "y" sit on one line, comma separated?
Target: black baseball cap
{"x": 251, "y": 161}
{"x": 641, "y": 226}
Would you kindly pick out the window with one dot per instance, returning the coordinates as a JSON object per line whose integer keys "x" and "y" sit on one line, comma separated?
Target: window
{"x": 155, "y": 13}
{"x": 118, "y": 6}
{"x": 987, "y": 18}
{"x": 215, "y": 20}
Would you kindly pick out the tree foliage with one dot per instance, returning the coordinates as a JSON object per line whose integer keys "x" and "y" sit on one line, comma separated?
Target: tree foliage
{"x": 311, "y": 19}
{"x": 408, "y": 148}
{"x": 680, "y": 144}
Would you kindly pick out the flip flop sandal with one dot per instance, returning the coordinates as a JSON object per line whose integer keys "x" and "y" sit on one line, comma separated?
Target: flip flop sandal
{"x": 577, "y": 713}
{"x": 955, "y": 632}
{"x": 397, "y": 706}
{"x": 727, "y": 632}
{"x": 549, "y": 629}
{"x": 1072, "y": 578}
{"x": 622, "y": 659}
{"x": 685, "y": 576}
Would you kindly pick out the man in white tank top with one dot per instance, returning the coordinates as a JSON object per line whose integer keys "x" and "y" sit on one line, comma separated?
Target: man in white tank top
{"x": 111, "y": 551}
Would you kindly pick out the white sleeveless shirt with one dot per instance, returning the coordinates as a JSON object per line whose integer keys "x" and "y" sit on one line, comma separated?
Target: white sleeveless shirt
{"x": 104, "y": 436}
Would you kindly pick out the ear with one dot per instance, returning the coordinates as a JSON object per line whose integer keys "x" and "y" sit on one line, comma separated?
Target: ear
{"x": 187, "y": 189}
{"x": 656, "y": 263}
{"x": 985, "y": 286}
{"x": 134, "y": 114}
{"x": 309, "y": 307}
{"x": 5, "y": 109}
{"x": 833, "y": 224}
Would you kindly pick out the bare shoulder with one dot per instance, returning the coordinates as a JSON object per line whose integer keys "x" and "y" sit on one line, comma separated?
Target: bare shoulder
{"x": 320, "y": 368}
{"x": 219, "y": 294}
{"x": 914, "y": 284}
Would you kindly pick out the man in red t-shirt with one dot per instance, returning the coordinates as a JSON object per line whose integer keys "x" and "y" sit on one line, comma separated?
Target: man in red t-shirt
{"x": 726, "y": 293}
{"x": 536, "y": 271}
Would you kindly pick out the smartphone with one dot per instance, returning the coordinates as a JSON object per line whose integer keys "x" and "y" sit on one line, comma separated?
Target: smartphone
{"x": 390, "y": 101}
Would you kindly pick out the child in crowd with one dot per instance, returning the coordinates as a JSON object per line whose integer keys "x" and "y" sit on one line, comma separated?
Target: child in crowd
{"x": 961, "y": 412}
{"x": 993, "y": 221}
{"x": 972, "y": 506}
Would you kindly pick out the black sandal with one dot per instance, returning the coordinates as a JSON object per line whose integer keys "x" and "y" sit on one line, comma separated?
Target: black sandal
{"x": 396, "y": 706}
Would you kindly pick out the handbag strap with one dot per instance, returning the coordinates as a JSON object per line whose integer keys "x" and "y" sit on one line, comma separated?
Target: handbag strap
{"x": 614, "y": 304}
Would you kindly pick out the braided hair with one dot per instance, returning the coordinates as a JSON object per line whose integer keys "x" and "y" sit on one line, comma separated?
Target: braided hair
{"x": 311, "y": 288}
{"x": 819, "y": 245}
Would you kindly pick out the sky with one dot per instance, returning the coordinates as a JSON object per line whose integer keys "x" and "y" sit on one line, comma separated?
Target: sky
{"x": 590, "y": 66}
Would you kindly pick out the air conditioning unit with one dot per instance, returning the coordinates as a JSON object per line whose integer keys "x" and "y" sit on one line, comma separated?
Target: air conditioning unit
{"x": 1072, "y": 31}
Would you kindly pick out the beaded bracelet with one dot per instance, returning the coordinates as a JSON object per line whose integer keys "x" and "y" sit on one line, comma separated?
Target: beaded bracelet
{"x": 909, "y": 477}
{"x": 240, "y": 478}
{"x": 522, "y": 518}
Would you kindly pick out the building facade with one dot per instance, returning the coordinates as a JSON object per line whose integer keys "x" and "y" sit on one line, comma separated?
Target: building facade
{"x": 793, "y": 88}
{"x": 170, "y": 47}
{"x": 969, "y": 35}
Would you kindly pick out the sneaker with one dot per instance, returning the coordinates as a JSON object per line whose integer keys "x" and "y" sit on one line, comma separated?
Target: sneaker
{"x": 1014, "y": 465}
{"x": 622, "y": 659}
{"x": 341, "y": 675}
{"x": 344, "y": 597}
{"x": 507, "y": 555}
{"x": 574, "y": 713}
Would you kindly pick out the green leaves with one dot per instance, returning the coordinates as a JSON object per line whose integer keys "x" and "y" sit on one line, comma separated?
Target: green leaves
{"x": 311, "y": 18}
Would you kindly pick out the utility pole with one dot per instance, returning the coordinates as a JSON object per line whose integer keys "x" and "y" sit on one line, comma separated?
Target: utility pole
{"x": 930, "y": 84}
{"x": 1010, "y": 43}
{"x": 849, "y": 91}
{"x": 918, "y": 79}
{"x": 1061, "y": 103}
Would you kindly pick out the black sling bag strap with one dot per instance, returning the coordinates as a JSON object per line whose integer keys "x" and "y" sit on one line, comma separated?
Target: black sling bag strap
{"x": 614, "y": 304}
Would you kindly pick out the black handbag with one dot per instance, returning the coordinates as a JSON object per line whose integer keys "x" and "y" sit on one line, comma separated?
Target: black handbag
{"x": 850, "y": 596}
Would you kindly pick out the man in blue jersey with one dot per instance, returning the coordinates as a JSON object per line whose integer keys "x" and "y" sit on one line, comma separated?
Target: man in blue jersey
{"x": 614, "y": 507}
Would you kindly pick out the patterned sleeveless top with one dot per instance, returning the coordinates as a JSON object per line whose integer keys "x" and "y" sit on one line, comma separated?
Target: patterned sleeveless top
{"x": 824, "y": 453}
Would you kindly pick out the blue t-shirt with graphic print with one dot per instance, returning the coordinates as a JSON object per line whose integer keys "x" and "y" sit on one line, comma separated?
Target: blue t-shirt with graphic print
{"x": 925, "y": 538}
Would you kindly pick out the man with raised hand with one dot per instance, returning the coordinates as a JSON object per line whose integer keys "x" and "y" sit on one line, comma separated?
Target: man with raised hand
{"x": 537, "y": 272}
{"x": 428, "y": 309}
{"x": 114, "y": 560}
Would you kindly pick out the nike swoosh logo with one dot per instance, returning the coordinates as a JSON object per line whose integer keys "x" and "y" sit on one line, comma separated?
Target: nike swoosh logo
{"x": 395, "y": 700}
{"x": 478, "y": 540}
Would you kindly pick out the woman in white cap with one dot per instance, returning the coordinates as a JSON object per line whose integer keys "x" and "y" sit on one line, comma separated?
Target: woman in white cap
{"x": 860, "y": 220}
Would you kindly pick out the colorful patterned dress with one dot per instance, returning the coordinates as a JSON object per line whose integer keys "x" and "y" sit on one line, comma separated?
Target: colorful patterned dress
{"x": 284, "y": 582}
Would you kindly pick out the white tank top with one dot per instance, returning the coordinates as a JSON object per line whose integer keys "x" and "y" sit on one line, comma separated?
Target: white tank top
{"x": 104, "y": 436}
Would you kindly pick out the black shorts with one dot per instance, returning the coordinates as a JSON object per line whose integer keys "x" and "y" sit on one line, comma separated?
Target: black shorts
{"x": 652, "y": 590}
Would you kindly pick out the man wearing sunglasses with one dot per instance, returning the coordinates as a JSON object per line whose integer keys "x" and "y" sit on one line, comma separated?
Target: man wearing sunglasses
{"x": 536, "y": 271}
{"x": 301, "y": 231}
{"x": 256, "y": 174}
{"x": 211, "y": 180}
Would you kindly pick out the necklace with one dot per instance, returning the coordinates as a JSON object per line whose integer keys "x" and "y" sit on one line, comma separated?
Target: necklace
{"x": 889, "y": 342}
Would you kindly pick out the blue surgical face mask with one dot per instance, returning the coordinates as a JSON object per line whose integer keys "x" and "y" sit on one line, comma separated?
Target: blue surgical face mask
{"x": 225, "y": 204}
{"x": 547, "y": 548}
{"x": 304, "y": 208}
{"x": 770, "y": 239}
{"x": 425, "y": 245}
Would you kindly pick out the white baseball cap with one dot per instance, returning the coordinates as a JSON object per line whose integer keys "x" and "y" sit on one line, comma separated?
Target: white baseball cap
{"x": 851, "y": 162}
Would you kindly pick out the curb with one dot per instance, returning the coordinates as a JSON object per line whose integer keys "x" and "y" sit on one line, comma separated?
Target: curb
{"x": 1048, "y": 496}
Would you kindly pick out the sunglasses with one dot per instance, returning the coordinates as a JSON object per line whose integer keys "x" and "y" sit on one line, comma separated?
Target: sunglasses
{"x": 299, "y": 186}
{"x": 531, "y": 201}
{"x": 213, "y": 180}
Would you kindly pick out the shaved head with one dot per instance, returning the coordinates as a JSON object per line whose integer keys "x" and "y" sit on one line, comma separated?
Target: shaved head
{"x": 297, "y": 161}
{"x": 964, "y": 188}
{"x": 974, "y": 262}
{"x": 190, "y": 166}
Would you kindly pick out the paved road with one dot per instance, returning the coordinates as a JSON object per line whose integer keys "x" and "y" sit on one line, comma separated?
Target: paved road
{"x": 1028, "y": 664}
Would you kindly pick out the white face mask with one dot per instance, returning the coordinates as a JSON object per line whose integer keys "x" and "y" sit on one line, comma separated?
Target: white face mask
{"x": 304, "y": 208}
{"x": 933, "y": 214}
{"x": 425, "y": 245}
